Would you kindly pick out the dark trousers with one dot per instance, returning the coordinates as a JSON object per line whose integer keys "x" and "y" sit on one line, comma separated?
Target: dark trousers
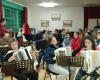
{"x": 82, "y": 73}
{"x": 23, "y": 75}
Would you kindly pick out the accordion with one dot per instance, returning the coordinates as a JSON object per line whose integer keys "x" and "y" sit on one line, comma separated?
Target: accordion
{"x": 63, "y": 51}
{"x": 91, "y": 60}
{"x": 24, "y": 53}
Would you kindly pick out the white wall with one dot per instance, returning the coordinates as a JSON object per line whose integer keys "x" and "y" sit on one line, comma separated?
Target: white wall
{"x": 36, "y": 14}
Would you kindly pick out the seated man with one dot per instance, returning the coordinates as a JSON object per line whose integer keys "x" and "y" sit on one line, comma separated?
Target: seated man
{"x": 12, "y": 56}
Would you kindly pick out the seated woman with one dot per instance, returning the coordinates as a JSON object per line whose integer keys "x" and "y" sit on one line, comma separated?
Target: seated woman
{"x": 76, "y": 44}
{"x": 89, "y": 44}
{"x": 49, "y": 57}
{"x": 67, "y": 40}
{"x": 13, "y": 44}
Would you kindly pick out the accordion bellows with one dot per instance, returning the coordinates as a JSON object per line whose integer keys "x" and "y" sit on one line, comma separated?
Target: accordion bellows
{"x": 24, "y": 53}
{"x": 92, "y": 60}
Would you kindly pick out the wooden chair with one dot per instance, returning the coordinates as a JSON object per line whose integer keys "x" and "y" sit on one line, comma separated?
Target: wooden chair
{"x": 9, "y": 68}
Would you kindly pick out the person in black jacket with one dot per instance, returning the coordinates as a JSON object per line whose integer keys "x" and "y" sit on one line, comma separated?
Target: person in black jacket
{"x": 49, "y": 57}
{"x": 60, "y": 38}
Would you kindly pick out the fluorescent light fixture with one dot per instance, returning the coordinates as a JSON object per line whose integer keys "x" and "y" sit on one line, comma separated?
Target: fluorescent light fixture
{"x": 48, "y": 4}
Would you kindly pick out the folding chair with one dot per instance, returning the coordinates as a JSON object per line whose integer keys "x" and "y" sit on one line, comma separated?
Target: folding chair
{"x": 49, "y": 73}
{"x": 93, "y": 73}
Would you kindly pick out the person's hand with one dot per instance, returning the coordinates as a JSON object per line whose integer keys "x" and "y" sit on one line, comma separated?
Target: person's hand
{"x": 54, "y": 58}
{"x": 34, "y": 56}
{"x": 13, "y": 58}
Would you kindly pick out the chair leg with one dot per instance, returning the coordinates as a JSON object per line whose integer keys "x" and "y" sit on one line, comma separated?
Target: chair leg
{"x": 43, "y": 64}
{"x": 50, "y": 77}
{"x": 11, "y": 77}
{"x": 56, "y": 76}
{"x": 69, "y": 72}
{"x": 45, "y": 76}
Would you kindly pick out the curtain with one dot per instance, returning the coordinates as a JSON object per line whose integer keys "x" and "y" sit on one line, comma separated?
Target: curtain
{"x": 91, "y": 13}
{"x": 27, "y": 30}
{"x": 0, "y": 9}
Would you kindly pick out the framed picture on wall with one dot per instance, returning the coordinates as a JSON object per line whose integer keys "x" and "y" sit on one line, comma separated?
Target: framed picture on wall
{"x": 67, "y": 23}
{"x": 44, "y": 23}
{"x": 55, "y": 17}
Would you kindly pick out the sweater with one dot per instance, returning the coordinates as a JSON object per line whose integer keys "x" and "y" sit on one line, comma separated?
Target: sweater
{"x": 49, "y": 54}
{"x": 76, "y": 43}
{"x": 76, "y": 46}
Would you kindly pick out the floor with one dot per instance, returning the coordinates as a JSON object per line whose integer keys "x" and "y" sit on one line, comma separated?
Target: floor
{"x": 41, "y": 76}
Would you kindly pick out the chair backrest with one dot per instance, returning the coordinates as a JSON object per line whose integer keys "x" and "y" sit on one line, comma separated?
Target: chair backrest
{"x": 77, "y": 61}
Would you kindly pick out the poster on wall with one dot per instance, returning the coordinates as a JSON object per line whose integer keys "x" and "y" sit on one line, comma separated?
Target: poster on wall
{"x": 55, "y": 17}
{"x": 92, "y": 23}
{"x": 44, "y": 23}
{"x": 67, "y": 23}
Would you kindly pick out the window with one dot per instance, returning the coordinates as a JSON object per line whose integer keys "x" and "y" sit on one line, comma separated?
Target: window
{"x": 14, "y": 18}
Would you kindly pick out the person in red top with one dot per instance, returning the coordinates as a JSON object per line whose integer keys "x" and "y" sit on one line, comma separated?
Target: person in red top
{"x": 75, "y": 44}
{"x": 3, "y": 28}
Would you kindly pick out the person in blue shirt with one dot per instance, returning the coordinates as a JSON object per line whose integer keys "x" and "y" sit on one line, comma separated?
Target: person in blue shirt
{"x": 50, "y": 59}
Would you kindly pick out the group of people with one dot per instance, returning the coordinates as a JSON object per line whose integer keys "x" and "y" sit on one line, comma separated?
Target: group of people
{"x": 12, "y": 43}
{"x": 77, "y": 41}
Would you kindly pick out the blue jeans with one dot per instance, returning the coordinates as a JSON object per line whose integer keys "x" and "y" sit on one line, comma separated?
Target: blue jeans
{"x": 82, "y": 73}
{"x": 63, "y": 73}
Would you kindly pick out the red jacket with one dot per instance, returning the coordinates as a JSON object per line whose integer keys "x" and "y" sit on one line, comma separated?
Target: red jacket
{"x": 3, "y": 30}
{"x": 76, "y": 43}
{"x": 27, "y": 30}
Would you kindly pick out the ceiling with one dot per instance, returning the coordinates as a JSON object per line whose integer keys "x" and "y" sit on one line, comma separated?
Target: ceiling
{"x": 62, "y": 2}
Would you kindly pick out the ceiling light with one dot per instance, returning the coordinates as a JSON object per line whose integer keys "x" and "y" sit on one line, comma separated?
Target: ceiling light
{"x": 48, "y": 4}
